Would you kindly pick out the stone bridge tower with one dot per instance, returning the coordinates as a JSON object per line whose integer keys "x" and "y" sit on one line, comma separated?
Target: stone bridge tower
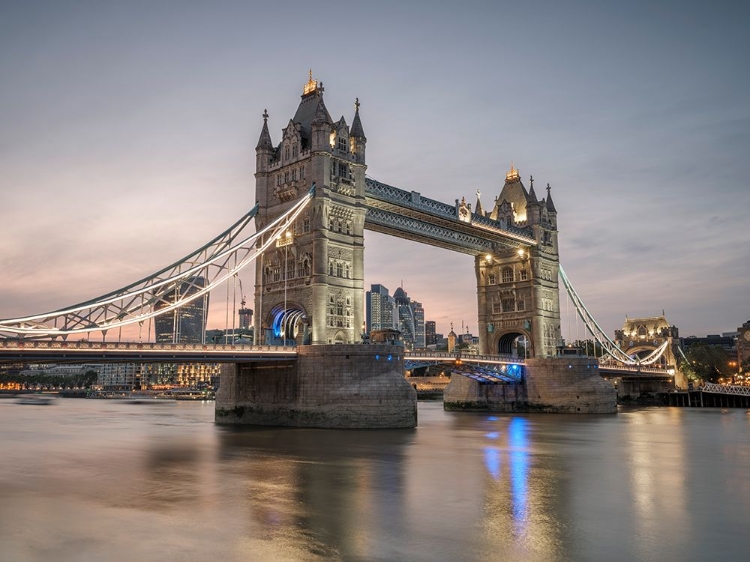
{"x": 309, "y": 286}
{"x": 517, "y": 288}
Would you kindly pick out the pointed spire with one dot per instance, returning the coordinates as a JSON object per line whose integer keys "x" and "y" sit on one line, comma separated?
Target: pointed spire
{"x": 550, "y": 204}
{"x": 265, "y": 137}
{"x": 479, "y": 210}
{"x": 321, "y": 114}
{"x": 532, "y": 193}
{"x": 357, "y": 130}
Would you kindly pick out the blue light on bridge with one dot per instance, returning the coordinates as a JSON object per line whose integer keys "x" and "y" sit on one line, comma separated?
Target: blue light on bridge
{"x": 514, "y": 370}
{"x": 390, "y": 357}
{"x": 377, "y": 358}
{"x": 278, "y": 320}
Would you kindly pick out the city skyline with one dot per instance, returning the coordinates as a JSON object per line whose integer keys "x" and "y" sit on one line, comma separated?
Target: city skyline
{"x": 128, "y": 141}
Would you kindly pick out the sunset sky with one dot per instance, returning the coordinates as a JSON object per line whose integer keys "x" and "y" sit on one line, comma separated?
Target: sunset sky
{"x": 127, "y": 135}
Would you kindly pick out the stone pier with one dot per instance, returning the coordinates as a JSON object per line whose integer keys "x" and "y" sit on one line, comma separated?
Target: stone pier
{"x": 328, "y": 386}
{"x": 557, "y": 385}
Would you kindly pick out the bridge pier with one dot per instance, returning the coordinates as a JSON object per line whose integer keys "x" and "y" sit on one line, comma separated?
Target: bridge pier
{"x": 556, "y": 385}
{"x": 328, "y": 386}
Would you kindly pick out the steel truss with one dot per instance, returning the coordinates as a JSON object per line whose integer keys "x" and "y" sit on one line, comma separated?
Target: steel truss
{"x": 609, "y": 346}
{"x": 721, "y": 389}
{"x": 166, "y": 290}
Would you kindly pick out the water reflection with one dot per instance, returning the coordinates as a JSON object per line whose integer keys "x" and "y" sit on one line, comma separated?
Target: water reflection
{"x": 325, "y": 493}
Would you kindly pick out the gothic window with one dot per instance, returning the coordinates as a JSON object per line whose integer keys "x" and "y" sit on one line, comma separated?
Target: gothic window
{"x": 339, "y": 309}
{"x": 306, "y": 223}
{"x": 286, "y": 177}
{"x": 509, "y": 305}
{"x": 342, "y": 143}
{"x": 343, "y": 170}
{"x": 491, "y": 279}
{"x": 523, "y": 275}
{"x": 339, "y": 270}
{"x": 294, "y": 174}
{"x": 641, "y": 330}
{"x": 268, "y": 274}
{"x": 331, "y": 223}
{"x": 302, "y": 173}
{"x": 496, "y": 308}
{"x": 347, "y": 271}
{"x": 276, "y": 273}
{"x": 330, "y": 299}
{"x": 330, "y": 269}
{"x": 278, "y": 179}
{"x": 348, "y": 301}
{"x": 521, "y": 305}
{"x": 294, "y": 150}
{"x": 348, "y": 227}
{"x": 507, "y": 275}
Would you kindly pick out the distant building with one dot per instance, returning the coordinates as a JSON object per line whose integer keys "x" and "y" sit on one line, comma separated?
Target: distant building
{"x": 246, "y": 318}
{"x": 430, "y": 335}
{"x": 379, "y": 309}
{"x": 409, "y": 320}
{"x": 186, "y": 324}
{"x": 743, "y": 342}
{"x": 419, "y": 328}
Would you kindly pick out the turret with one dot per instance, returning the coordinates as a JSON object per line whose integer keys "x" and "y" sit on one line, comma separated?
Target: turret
{"x": 264, "y": 148}
{"x": 357, "y": 136}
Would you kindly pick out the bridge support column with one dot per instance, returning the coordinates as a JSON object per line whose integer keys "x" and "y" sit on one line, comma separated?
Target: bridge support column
{"x": 556, "y": 385}
{"x": 331, "y": 386}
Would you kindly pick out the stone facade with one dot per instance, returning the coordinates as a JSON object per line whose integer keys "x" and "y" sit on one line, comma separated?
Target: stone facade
{"x": 310, "y": 288}
{"x": 554, "y": 385}
{"x": 333, "y": 386}
{"x": 517, "y": 288}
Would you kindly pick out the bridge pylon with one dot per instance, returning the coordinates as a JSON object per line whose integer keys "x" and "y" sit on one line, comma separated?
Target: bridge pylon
{"x": 518, "y": 298}
{"x": 309, "y": 287}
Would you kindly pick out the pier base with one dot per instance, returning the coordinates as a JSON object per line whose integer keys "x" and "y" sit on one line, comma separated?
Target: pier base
{"x": 328, "y": 386}
{"x": 557, "y": 385}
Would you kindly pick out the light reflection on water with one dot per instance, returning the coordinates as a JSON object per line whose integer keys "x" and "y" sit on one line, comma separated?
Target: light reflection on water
{"x": 102, "y": 480}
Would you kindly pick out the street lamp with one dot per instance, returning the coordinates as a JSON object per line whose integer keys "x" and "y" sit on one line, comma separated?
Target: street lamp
{"x": 288, "y": 241}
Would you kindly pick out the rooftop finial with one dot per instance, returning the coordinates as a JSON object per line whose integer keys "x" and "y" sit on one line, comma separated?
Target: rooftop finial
{"x": 531, "y": 181}
{"x": 548, "y": 189}
{"x": 513, "y": 174}
{"x": 356, "y": 104}
{"x": 311, "y": 85}
{"x": 265, "y": 115}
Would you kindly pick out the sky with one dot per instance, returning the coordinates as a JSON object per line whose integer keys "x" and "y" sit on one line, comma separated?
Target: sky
{"x": 127, "y": 135}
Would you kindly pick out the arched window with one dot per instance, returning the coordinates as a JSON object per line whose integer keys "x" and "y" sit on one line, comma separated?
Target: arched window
{"x": 509, "y": 305}
{"x": 339, "y": 270}
{"x": 342, "y": 143}
{"x": 330, "y": 269}
{"x": 347, "y": 271}
{"x": 491, "y": 279}
{"x": 508, "y": 275}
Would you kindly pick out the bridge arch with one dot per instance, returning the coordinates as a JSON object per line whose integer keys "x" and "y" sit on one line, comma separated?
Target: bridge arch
{"x": 287, "y": 323}
{"x": 512, "y": 342}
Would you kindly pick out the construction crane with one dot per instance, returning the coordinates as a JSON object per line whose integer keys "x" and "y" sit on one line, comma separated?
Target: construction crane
{"x": 242, "y": 294}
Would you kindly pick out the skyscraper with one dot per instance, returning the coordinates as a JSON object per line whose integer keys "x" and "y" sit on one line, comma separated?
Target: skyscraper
{"x": 430, "y": 335}
{"x": 379, "y": 309}
{"x": 186, "y": 324}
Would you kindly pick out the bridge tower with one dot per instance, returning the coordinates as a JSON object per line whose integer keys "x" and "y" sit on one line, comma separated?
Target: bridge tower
{"x": 309, "y": 287}
{"x": 517, "y": 288}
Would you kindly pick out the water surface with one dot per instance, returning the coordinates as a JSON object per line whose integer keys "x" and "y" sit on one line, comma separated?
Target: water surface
{"x": 90, "y": 480}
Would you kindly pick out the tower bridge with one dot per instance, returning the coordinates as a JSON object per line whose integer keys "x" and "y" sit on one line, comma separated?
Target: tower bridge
{"x": 314, "y": 202}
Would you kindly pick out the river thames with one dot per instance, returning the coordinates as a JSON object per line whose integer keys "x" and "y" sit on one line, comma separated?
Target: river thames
{"x": 103, "y": 480}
